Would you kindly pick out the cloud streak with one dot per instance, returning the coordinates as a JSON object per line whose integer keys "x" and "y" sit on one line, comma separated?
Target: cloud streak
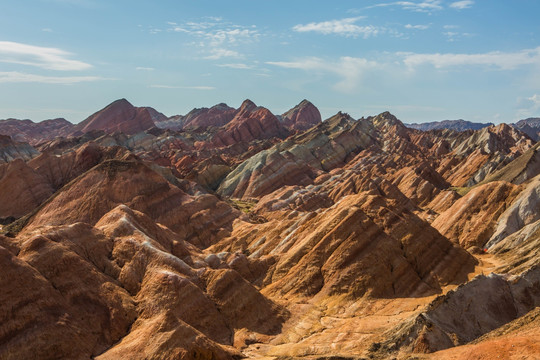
{"x": 460, "y": 5}
{"x": 236, "y": 66}
{"x": 349, "y": 69}
{"x": 417, "y": 6}
{"x": 216, "y": 37}
{"x": 183, "y": 87}
{"x": 218, "y": 53}
{"x": 495, "y": 59}
{"x": 38, "y": 56}
{"x": 350, "y": 72}
{"x": 417, "y": 27}
{"x": 19, "y": 77}
{"x": 344, "y": 27}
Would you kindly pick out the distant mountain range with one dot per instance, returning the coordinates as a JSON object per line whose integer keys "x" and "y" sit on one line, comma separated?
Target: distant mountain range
{"x": 530, "y": 126}
{"x": 457, "y": 125}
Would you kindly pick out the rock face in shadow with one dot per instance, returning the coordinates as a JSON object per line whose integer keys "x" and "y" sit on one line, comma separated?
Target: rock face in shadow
{"x": 472, "y": 310}
{"x": 21, "y": 189}
{"x": 11, "y": 150}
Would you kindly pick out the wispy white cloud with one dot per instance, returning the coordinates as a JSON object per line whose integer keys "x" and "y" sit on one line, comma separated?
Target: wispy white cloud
{"x": 417, "y": 27}
{"x": 42, "y": 57}
{"x": 143, "y": 68}
{"x": 219, "y": 53}
{"x": 352, "y": 72}
{"x": 531, "y": 107}
{"x": 495, "y": 59}
{"x": 417, "y": 6}
{"x": 183, "y": 87}
{"x": 343, "y": 27}
{"x": 349, "y": 69}
{"x": 19, "y": 77}
{"x": 89, "y": 4}
{"x": 232, "y": 36}
{"x": 452, "y": 36}
{"x": 460, "y": 5}
{"x": 47, "y": 30}
{"x": 535, "y": 99}
{"x": 216, "y": 37}
{"x": 219, "y": 37}
{"x": 450, "y": 27}
{"x": 236, "y": 66}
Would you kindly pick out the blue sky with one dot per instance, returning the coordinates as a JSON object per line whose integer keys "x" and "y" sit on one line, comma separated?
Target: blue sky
{"x": 422, "y": 60}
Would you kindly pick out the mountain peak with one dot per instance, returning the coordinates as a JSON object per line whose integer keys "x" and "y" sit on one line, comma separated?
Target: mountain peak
{"x": 120, "y": 103}
{"x": 120, "y": 115}
{"x": 387, "y": 118}
{"x": 247, "y": 105}
{"x": 303, "y": 116}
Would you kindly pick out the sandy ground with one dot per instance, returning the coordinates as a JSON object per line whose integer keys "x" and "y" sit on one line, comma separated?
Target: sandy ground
{"x": 335, "y": 326}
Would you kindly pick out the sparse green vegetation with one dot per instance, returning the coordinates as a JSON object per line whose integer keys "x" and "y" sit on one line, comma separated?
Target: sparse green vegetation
{"x": 461, "y": 190}
{"x": 244, "y": 206}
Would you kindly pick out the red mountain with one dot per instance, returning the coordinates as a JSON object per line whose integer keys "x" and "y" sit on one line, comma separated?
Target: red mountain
{"x": 120, "y": 116}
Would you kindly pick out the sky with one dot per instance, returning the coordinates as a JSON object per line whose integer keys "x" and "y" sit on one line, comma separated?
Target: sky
{"x": 422, "y": 60}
